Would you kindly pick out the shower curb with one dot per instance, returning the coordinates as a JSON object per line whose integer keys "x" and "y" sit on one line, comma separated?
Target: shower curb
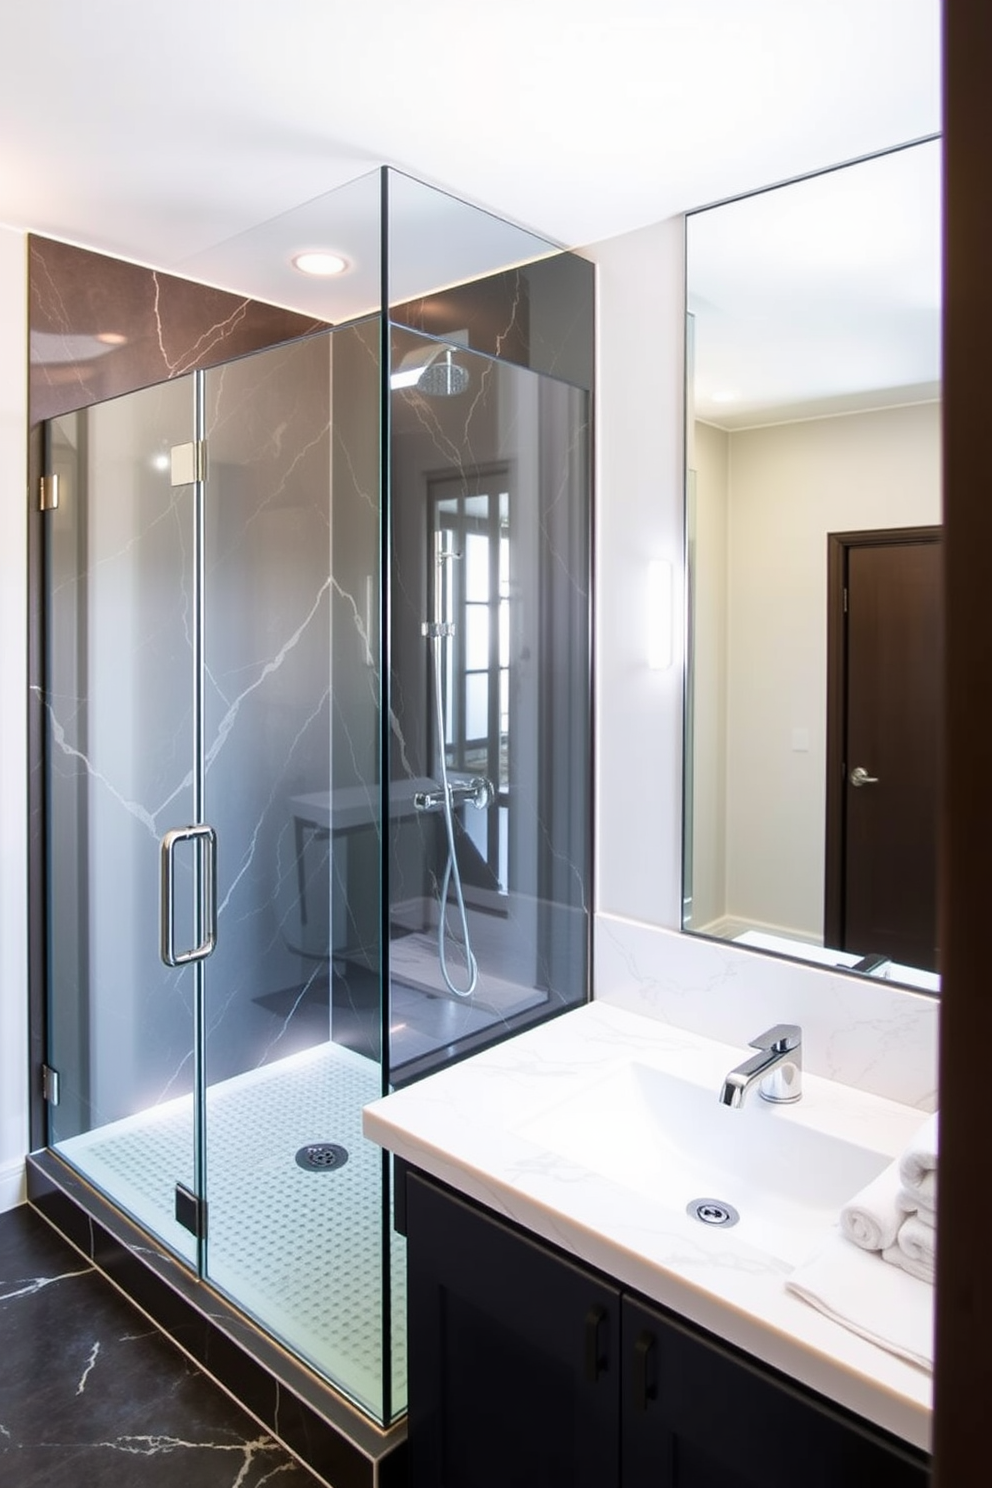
{"x": 324, "y": 1431}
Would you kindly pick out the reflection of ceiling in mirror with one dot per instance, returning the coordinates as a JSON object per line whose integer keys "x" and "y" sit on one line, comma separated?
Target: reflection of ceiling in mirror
{"x": 819, "y": 297}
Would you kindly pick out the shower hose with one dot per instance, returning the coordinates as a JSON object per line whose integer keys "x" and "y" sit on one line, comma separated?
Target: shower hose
{"x": 451, "y": 869}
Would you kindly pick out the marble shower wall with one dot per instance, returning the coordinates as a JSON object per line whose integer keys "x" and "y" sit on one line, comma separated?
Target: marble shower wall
{"x": 502, "y": 467}
{"x": 100, "y": 327}
{"x": 288, "y": 605}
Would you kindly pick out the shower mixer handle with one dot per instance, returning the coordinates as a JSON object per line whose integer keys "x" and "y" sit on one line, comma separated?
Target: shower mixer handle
{"x": 465, "y": 790}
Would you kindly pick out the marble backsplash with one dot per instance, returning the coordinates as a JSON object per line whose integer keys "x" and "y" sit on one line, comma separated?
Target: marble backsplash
{"x": 861, "y": 1032}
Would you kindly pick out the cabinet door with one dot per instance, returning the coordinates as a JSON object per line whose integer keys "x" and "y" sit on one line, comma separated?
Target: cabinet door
{"x": 696, "y": 1415}
{"x": 514, "y": 1356}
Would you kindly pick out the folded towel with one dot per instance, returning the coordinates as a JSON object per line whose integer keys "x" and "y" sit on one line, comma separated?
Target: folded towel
{"x": 918, "y": 1164}
{"x": 915, "y": 1249}
{"x": 919, "y": 1202}
{"x": 872, "y": 1218}
{"x": 884, "y": 1304}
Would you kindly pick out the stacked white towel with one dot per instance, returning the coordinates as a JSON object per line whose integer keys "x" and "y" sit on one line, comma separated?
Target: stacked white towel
{"x": 896, "y": 1213}
{"x": 918, "y": 1172}
{"x": 916, "y": 1241}
{"x": 891, "y": 1219}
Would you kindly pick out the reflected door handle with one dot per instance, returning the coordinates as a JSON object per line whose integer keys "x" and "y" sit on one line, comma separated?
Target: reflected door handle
{"x": 859, "y": 776}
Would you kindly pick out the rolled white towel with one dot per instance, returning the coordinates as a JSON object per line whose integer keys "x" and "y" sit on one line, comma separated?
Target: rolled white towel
{"x": 918, "y": 1164}
{"x": 921, "y": 1201}
{"x": 914, "y": 1249}
{"x": 872, "y": 1218}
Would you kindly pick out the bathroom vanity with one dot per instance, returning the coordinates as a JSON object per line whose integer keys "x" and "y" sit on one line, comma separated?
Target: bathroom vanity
{"x": 525, "y": 1367}
{"x": 567, "y": 1312}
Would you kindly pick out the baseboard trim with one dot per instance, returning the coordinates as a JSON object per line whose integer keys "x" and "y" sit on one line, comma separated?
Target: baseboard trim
{"x": 13, "y": 1184}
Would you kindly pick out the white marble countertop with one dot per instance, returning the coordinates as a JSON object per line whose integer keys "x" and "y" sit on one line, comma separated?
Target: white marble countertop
{"x": 463, "y": 1126}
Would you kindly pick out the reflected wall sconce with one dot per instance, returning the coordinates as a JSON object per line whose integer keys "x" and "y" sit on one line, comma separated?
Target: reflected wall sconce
{"x": 659, "y": 615}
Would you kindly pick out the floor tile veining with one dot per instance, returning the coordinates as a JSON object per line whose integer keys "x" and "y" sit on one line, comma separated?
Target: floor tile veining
{"x": 91, "y": 1393}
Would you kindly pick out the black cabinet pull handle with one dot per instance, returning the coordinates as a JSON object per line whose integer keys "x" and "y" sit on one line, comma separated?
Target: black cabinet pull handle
{"x": 645, "y": 1383}
{"x": 595, "y": 1356}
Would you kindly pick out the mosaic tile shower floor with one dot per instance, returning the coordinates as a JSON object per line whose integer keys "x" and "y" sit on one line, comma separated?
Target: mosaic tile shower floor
{"x": 299, "y": 1250}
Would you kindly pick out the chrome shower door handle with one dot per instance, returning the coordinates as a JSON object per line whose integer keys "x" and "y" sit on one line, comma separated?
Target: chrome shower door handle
{"x": 859, "y": 776}
{"x": 207, "y": 838}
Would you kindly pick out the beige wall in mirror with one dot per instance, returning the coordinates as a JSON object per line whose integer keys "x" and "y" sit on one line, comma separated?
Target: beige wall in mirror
{"x": 813, "y": 408}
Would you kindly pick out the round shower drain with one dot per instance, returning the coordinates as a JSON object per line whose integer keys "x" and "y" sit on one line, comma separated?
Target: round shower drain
{"x": 321, "y": 1157}
{"x": 712, "y": 1212}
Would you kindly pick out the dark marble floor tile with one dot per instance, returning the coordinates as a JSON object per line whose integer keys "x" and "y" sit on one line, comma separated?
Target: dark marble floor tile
{"x": 91, "y": 1394}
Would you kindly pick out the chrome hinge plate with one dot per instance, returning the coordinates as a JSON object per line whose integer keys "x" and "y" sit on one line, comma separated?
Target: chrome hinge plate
{"x": 189, "y": 463}
{"x": 48, "y": 493}
{"x": 51, "y": 1085}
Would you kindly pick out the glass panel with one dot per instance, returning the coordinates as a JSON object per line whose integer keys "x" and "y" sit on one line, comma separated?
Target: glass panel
{"x": 476, "y": 637}
{"x": 513, "y": 295}
{"x": 119, "y": 596}
{"x": 260, "y": 261}
{"x": 500, "y": 467}
{"x": 476, "y": 705}
{"x": 476, "y": 566}
{"x": 293, "y": 989}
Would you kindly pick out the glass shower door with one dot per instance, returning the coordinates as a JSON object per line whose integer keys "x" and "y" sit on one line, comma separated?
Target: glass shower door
{"x": 195, "y": 631}
{"x": 121, "y": 596}
{"x": 299, "y": 1236}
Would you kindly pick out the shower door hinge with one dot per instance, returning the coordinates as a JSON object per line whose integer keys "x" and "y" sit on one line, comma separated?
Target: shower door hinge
{"x": 50, "y": 1085}
{"x": 189, "y": 462}
{"x": 191, "y": 1212}
{"x": 48, "y": 493}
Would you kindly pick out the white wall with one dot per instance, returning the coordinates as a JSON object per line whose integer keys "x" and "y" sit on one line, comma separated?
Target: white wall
{"x": 639, "y": 496}
{"x": 706, "y": 804}
{"x": 789, "y": 485}
{"x": 13, "y": 721}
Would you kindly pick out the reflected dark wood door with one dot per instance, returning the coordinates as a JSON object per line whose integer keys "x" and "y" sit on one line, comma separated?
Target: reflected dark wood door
{"x": 888, "y": 772}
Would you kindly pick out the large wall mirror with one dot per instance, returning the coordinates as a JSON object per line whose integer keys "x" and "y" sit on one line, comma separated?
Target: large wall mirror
{"x": 813, "y": 521}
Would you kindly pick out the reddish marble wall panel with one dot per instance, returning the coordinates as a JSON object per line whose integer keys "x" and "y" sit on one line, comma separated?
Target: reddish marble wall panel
{"x": 81, "y": 302}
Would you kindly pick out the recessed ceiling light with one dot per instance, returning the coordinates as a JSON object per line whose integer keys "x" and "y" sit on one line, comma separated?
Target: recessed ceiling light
{"x": 111, "y": 338}
{"x": 320, "y": 264}
{"x": 725, "y": 397}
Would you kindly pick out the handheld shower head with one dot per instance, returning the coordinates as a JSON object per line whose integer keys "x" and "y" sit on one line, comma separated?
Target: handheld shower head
{"x": 444, "y": 378}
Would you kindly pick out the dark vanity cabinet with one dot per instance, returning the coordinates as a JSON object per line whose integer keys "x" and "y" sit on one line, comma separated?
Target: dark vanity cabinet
{"x": 528, "y": 1370}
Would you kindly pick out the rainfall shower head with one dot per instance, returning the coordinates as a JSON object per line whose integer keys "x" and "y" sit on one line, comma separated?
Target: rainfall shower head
{"x": 443, "y": 379}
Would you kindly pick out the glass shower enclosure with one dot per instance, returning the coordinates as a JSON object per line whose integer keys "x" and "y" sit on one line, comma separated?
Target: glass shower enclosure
{"x": 317, "y": 756}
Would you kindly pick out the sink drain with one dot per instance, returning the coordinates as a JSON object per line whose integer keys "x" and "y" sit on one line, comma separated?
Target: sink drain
{"x": 712, "y": 1212}
{"x": 321, "y": 1157}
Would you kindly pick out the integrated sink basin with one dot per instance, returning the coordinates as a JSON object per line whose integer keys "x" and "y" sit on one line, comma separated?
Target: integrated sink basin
{"x": 670, "y": 1139}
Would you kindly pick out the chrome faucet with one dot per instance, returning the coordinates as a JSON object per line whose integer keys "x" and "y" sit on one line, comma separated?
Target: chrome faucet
{"x": 777, "y": 1069}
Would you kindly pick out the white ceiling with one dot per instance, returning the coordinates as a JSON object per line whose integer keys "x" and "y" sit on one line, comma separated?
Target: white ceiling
{"x": 159, "y": 129}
